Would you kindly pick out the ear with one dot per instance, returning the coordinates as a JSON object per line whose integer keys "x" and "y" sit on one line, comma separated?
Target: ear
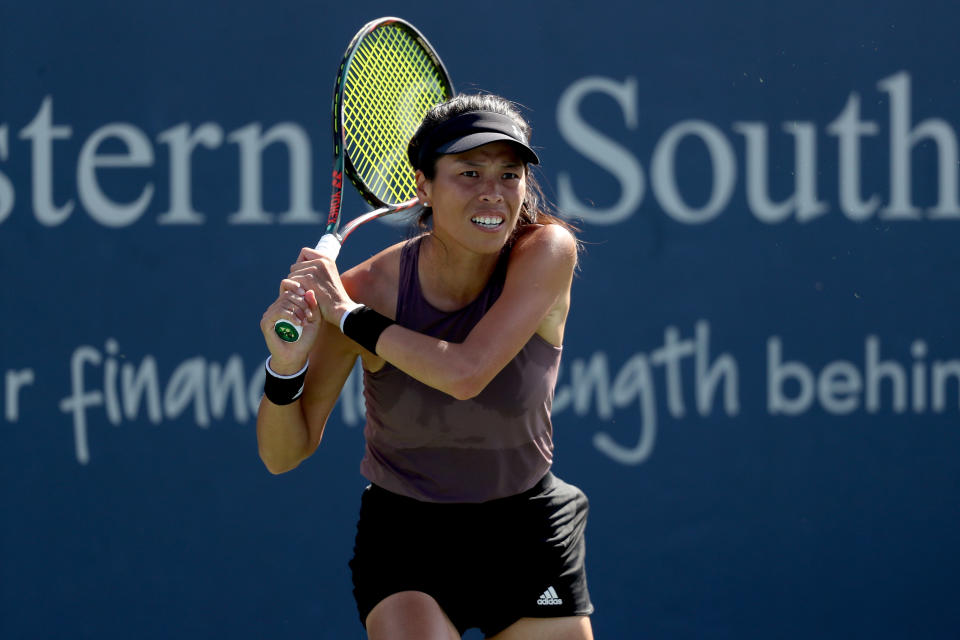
{"x": 424, "y": 186}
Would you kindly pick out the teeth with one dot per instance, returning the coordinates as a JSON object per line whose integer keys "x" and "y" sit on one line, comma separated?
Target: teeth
{"x": 487, "y": 220}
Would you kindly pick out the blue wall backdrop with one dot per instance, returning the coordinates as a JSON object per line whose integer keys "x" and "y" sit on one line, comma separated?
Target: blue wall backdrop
{"x": 761, "y": 385}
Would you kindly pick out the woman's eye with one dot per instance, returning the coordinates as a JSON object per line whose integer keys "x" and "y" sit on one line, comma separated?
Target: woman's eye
{"x": 510, "y": 176}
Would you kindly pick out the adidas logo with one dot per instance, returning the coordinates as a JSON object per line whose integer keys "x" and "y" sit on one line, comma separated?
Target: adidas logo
{"x": 549, "y": 597}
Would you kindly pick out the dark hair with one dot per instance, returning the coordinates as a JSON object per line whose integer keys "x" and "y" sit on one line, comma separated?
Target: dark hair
{"x": 534, "y": 209}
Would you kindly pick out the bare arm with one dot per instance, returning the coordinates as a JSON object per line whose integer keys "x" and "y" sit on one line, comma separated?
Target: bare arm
{"x": 535, "y": 299}
{"x": 288, "y": 434}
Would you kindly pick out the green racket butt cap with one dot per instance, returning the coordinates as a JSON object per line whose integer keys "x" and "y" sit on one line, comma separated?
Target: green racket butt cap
{"x": 287, "y": 331}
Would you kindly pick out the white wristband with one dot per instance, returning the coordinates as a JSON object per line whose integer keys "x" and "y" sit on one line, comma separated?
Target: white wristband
{"x": 343, "y": 318}
{"x": 292, "y": 375}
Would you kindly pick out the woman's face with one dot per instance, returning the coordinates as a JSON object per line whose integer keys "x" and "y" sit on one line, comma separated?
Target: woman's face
{"x": 476, "y": 196}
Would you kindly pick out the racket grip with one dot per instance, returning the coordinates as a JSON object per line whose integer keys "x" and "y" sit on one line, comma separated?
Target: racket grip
{"x": 287, "y": 330}
{"x": 329, "y": 246}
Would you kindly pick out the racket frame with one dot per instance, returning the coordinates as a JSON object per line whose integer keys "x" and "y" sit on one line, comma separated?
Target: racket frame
{"x": 342, "y": 165}
{"x": 333, "y": 237}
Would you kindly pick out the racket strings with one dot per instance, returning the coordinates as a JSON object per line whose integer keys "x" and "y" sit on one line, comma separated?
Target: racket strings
{"x": 391, "y": 83}
{"x": 388, "y": 69}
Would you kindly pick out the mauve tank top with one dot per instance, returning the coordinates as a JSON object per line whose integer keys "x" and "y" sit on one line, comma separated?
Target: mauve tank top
{"x": 425, "y": 444}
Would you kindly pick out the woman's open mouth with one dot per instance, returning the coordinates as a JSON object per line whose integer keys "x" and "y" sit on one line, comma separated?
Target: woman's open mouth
{"x": 487, "y": 223}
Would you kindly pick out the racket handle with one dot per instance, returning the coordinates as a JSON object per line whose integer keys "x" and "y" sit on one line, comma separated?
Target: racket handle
{"x": 290, "y": 331}
{"x": 329, "y": 246}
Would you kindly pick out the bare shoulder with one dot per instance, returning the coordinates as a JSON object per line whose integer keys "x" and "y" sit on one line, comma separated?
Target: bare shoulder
{"x": 540, "y": 276}
{"x": 374, "y": 281}
{"x": 548, "y": 242}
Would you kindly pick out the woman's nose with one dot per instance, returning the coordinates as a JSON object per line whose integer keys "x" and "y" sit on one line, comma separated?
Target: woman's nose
{"x": 490, "y": 190}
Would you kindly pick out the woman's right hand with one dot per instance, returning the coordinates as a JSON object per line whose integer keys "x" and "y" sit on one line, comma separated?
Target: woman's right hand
{"x": 293, "y": 304}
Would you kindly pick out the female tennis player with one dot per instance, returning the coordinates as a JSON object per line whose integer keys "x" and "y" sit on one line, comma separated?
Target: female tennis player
{"x": 459, "y": 331}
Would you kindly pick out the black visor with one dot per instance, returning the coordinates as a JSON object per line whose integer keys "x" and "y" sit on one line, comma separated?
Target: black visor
{"x": 469, "y": 131}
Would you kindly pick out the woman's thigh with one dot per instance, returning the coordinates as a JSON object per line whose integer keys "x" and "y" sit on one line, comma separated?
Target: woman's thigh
{"x": 409, "y": 615}
{"x": 568, "y": 628}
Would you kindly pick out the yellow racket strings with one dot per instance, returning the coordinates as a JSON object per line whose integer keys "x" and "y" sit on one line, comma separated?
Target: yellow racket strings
{"x": 391, "y": 83}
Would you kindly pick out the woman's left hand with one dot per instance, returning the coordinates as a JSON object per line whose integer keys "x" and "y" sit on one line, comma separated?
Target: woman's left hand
{"x": 318, "y": 273}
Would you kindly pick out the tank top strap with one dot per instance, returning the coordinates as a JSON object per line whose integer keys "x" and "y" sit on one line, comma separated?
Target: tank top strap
{"x": 409, "y": 286}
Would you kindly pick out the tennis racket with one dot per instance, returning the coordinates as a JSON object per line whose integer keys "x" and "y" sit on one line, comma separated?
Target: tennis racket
{"x": 389, "y": 78}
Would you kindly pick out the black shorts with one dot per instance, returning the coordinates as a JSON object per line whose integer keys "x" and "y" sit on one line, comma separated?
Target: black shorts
{"x": 486, "y": 564}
